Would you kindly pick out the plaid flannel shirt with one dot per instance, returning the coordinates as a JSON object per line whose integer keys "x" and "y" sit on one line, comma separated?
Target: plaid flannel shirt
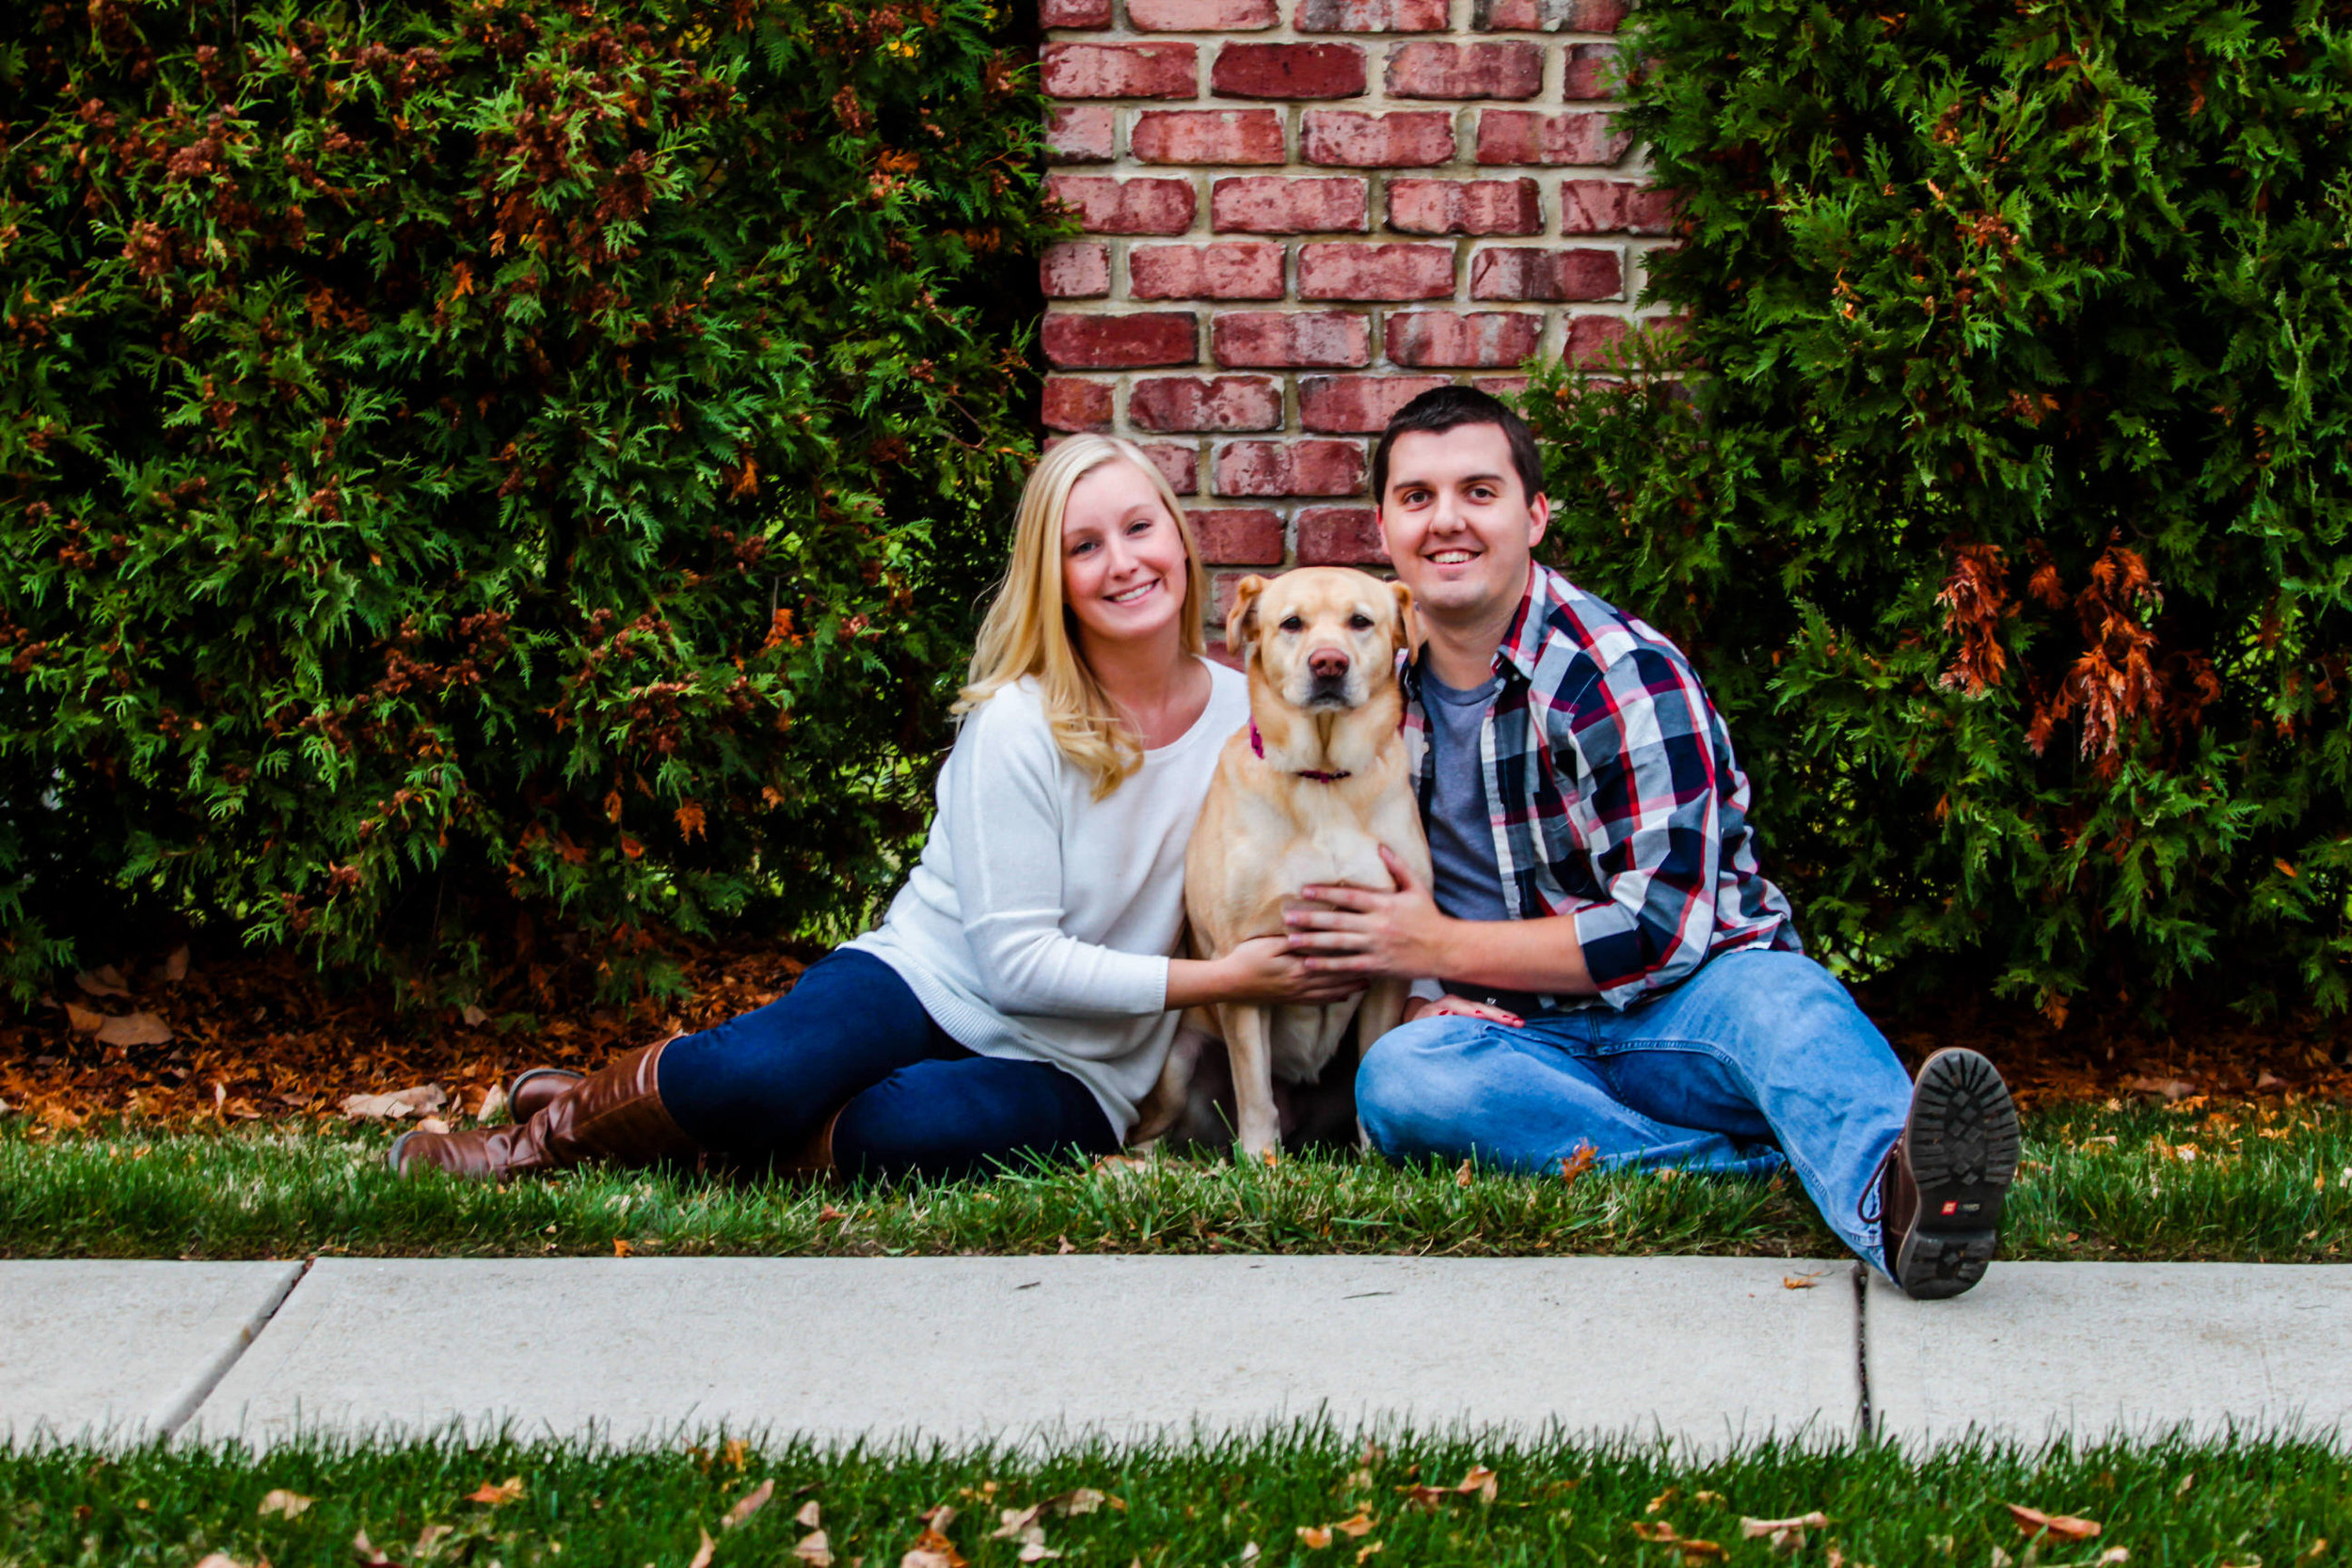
{"x": 1613, "y": 796}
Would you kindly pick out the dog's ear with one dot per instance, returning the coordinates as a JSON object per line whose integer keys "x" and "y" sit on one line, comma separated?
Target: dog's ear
{"x": 1241, "y": 622}
{"x": 1407, "y": 623}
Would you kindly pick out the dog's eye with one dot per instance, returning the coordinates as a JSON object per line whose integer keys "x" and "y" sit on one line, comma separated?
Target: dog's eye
{"x": 1291, "y": 623}
{"x": 1359, "y": 622}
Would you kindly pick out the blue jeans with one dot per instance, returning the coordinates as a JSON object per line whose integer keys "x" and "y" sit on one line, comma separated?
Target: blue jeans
{"x": 1758, "y": 1059}
{"x": 850, "y": 1036}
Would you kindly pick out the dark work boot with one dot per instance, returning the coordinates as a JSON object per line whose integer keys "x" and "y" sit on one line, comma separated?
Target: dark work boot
{"x": 1942, "y": 1188}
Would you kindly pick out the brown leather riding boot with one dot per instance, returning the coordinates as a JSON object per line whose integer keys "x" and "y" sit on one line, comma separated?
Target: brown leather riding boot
{"x": 616, "y": 1114}
{"x": 535, "y": 1088}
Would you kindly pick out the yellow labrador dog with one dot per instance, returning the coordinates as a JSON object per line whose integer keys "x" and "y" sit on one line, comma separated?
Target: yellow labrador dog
{"x": 1306, "y": 794}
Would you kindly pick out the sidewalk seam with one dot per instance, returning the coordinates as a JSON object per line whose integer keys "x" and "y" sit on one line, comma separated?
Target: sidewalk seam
{"x": 169, "y": 1427}
{"x": 1861, "y": 1344}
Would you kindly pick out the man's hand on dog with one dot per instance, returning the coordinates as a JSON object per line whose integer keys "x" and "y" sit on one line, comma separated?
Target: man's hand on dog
{"x": 1353, "y": 931}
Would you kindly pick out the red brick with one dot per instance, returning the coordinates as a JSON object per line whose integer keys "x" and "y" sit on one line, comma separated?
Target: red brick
{"x": 1220, "y": 605}
{"x": 1526, "y": 136}
{"x": 1120, "y": 70}
{"x": 1201, "y": 16}
{"x": 1592, "y": 72}
{"x": 1592, "y": 206}
{"x": 1549, "y": 16}
{"x": 1074, "y": 404}
{"x": 1081, "y": 133}
{"x": 1591, "y": 337}
{"x": 1109, "y": 206}
{"x": 1225, "y": 269}
{"x": 1271, "y": 204}
{"x": 1500, "y": 386}
{"x": 1207, "y": 136}
{"x": 1513, "y": 69}
{"x": 1290, "y": 70}
{"x": 1074, "y": 13}
{"x": 1649, "y": 210}
{"x": 1078, "y": 269}
{"x": 1239, "y": 536}
{"x": 1478, "y": 340}
{"x": 1179, "y": 463}
{"x": 1466, "y": 206}
{"x": 1340, "y": 536}
{"x": 1188, "y": 403}
{"x": 1290, "y": 469}
{"x": 1308, "y": 340}
{"x": 1121, "y": 342}
{"x": 1375, "y": 272}
{"x": 1357, "y": 405}
{"x": 1371, "y": 16}
{"x": 1581, "y": 272}
{"x": 1349, "y": 138}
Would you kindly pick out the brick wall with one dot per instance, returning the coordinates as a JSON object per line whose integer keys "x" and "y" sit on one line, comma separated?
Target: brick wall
{"x": 1300, "y": 214}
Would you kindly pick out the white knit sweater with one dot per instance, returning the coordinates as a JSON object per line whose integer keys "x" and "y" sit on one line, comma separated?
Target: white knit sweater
{"x": 1040, "y": 921}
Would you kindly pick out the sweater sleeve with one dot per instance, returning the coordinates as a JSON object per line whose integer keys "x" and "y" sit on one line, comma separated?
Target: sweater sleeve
{"x": 1002, "y": 815}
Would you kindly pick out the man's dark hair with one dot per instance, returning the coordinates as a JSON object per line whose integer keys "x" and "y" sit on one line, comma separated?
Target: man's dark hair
{"x": 1443, "y": 408}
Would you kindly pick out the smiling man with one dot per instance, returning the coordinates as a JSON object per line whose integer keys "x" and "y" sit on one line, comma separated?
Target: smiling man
{"x": 1612, "y": 969}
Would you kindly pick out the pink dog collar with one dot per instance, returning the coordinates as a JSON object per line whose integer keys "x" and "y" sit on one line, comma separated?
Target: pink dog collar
{"x": 1257, "y": 744}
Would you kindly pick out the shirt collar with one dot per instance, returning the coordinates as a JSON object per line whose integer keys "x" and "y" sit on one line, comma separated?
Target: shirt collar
{"x": 1523, "y": 639}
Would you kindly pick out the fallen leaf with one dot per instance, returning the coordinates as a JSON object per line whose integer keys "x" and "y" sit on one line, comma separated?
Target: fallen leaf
{"x": 1692, "y": 1549}
{"x": 754, "y": 1501}
{"x": 810, "y": 1515}
{"x": 1314, "y": 1537}
{"x": 2311, "y": 1553}
{"x": 1368, "y": 1548}
{"x": 2112, "y": 1556}
{"x": 1373, "y": 1455}
{"x": 1711, "y": 1499}
{"x": 500, "y": 1495}
{"x": 815, "y": 1550}
{"x": 1428, "y": 1500}
{"x": 2000, "y": 1559}
{"x": 102, "y": 982}
{"x": 176, "y": 964}
{"x": 362, "y": 1549}
{"x": 1036, "y": 1551}
{"x": 1083, "y": 1500}
{"x": 1462, "y": 1177}
{"x": 1783, "y": 1535}
{"x": 432, "y": 1124}
{"x": 1801, "y": 1281}
{"x": 1664, "y": 1500}
{"x": 493, "y": 1101}
{"x": 284, "y": 1503}
{"x": 1065, "y": 1249}
{"x": 1012, "y": 1522}
{"x": 1120, "y": 1165}
{"x": 472, "y": 1016}
{"x": 417, "y": 1100}
{"x": 938, "y": 1518}
{"x": 702, "y": 1553}
{"x": 432, "y": 1536}
{"x": 1361, "y": 1525}
{"x": 217, "y": 1559}
{"x": 1248, "y": 1554}
{"x": 2033, "y": 1521}
{"x": 2169, "y": 1088}
{"x": 933, "y": 1549}
{"x": 1577, "y": 1164}
{"x": 1479, "y": 1479}
{"x": 2269, "y": 1080}
{"x": 84, "y": 1020}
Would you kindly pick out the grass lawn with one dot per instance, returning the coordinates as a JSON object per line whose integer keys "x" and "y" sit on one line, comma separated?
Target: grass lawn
{"x": 1300, "y": 1498}
{"x": 2244, "y": 1182}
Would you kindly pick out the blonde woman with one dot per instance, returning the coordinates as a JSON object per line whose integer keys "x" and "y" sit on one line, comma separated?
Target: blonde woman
{"x": 1019, "y": 998}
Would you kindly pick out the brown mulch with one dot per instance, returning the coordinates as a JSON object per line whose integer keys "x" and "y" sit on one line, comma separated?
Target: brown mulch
{"x": 243, "y": 1037}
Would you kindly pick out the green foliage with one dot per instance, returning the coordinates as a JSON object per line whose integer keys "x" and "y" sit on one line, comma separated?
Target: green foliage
{"x": 2006, "y": 516}
{"x": 471, "y": 472}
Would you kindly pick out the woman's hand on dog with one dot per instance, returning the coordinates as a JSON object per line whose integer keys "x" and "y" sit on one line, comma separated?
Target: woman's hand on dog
{"x": 1264, "y": 968}
{"x": 1353, "y": 931}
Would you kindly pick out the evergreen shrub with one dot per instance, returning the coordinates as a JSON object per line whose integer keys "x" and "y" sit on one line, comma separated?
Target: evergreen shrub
{"x": 473, "y": 473}
{"x": 1999, "y": 474}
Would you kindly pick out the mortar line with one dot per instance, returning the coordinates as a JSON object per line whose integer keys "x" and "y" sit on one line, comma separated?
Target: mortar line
{"x": 1862, "y": 1345}
{"x": 248, "y": 1338}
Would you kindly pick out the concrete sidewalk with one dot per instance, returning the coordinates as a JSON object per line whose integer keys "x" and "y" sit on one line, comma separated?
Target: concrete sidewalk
{"x": 1702, "y": 1352}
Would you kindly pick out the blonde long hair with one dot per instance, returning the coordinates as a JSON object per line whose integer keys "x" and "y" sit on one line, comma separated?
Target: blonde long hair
{"x": 1027, "y": 629}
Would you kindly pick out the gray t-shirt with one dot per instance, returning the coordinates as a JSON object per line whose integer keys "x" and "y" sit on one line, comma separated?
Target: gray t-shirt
{"x": 1461, "y": 824}
{"x": 1467, "y": 880}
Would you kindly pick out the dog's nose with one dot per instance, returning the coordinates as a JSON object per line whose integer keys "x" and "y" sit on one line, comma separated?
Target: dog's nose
{"x": 1327, "y": 664}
